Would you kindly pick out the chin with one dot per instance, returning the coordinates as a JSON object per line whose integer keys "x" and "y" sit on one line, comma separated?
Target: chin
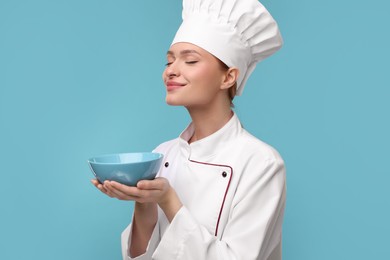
{"x": 173, "y": 101}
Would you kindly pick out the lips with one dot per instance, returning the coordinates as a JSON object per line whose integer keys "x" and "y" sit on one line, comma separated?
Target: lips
{"x": 172, "y": 85}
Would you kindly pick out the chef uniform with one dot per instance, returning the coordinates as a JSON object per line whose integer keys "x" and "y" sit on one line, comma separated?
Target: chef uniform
{"x": 231, "y": 185}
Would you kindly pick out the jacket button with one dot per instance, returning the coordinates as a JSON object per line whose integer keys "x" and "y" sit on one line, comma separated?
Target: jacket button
{"x": 224, "y": 174}
{"x": 166, "y": 164}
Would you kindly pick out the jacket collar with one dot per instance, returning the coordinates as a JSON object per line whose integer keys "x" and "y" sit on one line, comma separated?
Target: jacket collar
{"x": 206, "y": 148}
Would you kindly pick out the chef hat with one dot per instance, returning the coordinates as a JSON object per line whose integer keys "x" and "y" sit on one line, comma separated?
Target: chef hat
{"x": 238, "y": 32}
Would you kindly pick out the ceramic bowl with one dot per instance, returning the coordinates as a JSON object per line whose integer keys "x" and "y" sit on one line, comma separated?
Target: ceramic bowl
{"x": 126, "y": 168}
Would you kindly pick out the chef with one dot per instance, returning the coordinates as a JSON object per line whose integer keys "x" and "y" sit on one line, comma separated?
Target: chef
{"x": 220, "y": 193}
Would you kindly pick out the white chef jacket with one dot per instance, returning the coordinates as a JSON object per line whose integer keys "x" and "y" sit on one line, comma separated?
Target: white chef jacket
{"x": 232, "y": 187}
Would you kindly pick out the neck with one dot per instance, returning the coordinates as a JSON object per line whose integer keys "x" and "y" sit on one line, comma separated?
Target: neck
{"x": 208, "y": 120}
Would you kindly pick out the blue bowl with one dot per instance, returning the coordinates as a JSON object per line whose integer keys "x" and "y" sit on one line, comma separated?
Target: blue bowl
{"x": 126, "y": 168}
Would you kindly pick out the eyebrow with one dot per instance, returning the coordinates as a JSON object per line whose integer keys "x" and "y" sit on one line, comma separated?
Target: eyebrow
{"x": 183, "y": 52}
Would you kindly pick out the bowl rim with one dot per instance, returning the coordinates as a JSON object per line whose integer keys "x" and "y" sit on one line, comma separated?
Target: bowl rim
{"x": 160, "y": 155}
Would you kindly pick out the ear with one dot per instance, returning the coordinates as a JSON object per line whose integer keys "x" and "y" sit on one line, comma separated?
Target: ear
{"x": 231, "y": 76}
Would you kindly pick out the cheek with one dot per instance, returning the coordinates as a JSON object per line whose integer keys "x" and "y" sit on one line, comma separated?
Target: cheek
{"x": 203, "y": 76}
{"x": 205, "y": 88}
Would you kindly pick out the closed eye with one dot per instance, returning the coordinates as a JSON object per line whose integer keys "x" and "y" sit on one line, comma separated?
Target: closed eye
{"x": 191, "y": 62}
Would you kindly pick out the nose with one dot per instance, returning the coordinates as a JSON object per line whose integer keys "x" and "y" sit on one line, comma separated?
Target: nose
{"x": 171, "y": 70}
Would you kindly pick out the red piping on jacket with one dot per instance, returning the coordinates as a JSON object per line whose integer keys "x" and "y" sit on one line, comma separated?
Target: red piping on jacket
{"x": 226, "y": 191}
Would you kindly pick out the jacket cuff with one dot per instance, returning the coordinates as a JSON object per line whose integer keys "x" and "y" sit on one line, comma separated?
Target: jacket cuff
{"x": 152, "y": 245}
{"x": 175, "y": 237}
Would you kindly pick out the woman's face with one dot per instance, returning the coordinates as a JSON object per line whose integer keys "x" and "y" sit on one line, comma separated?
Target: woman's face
{"x": 193, "y": 77}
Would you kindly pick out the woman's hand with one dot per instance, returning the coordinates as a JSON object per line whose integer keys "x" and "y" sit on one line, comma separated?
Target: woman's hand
{"x": 147, "y": 191}
{"x": 100, "y": 186}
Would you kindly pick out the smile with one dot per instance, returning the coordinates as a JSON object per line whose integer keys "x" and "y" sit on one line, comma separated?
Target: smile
{"x": 172, "y": 85}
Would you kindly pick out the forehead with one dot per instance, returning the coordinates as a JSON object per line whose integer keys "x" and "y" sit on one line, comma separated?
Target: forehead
{"x": 184, "y": 48}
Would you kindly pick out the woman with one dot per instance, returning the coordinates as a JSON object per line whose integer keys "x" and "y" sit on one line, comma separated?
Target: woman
{"x": 221, "y": 192}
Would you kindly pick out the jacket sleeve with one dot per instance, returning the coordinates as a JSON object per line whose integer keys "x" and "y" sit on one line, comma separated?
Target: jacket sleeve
{"x": 253, "y": 231}
{"x": 152, "y": 245}
{"x": 156, "y": 235}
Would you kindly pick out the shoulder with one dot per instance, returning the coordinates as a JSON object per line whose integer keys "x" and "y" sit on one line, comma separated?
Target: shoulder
{"x": 259, "y": 170}
{"x": 254, "y": 147}
{"x": 256, "y": 162}
{"x": 260, "y": 167}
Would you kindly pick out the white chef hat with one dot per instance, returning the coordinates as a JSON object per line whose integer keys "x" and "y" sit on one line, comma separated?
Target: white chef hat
{"x": 238, "y": 32}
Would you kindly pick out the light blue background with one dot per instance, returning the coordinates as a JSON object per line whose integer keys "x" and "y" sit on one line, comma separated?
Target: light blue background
{"x": 82, "y": 78}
